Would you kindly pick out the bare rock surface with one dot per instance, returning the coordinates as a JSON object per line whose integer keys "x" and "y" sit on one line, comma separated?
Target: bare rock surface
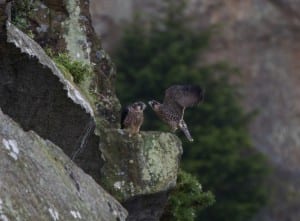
{"x": 141, "y": 170}
{"x": 39, "y": 182}
{"x": 36, "y": 94}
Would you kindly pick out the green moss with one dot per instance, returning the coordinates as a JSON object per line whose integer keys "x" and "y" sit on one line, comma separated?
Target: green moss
{"x": 78, "y": 69}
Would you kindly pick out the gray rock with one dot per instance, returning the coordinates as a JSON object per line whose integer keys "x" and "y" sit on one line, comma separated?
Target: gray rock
{"x": 140, "y": 170}
{"x": 39, "y": 182}
{"x": 65, "y": 27}
{"x": 36, "y": 94}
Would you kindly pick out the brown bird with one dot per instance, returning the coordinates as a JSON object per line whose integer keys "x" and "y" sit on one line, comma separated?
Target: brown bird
{"x": 133, "y": 117}
{"x": 177, "y": 98}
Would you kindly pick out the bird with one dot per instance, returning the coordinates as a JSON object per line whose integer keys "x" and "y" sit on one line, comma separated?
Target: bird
{"x": 177, "y": 98}
{"x": 133, "y": 117}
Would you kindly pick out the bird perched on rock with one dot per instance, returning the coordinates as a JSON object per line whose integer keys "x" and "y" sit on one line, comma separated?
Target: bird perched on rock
{"x": 133, "y": 117}
{"x": 177, "y": 98}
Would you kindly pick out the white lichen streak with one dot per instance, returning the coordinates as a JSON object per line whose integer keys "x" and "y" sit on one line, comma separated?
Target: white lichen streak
{"x": 54, "y": 214}
{"x": 42, "y": 28}
{"x": 120, "y": 173}
{"x": 120, "y": 131}
{"x": 132, "y": 189}
{"x": 12, "y": 147}
{"x": 3, "y": 217}
{"x": 42, "y": 6}
{"x": 76, "y": 214}
{"x": 115, "y": 213}
{"x": 75, "y": 36}
{"x": 118, "y": 185}
{"x": 82, "y": 100}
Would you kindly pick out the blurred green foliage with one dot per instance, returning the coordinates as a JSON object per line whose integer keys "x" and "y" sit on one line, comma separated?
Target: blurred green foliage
{"x": 186, "y": 199}
{"x": 165, "y": 52}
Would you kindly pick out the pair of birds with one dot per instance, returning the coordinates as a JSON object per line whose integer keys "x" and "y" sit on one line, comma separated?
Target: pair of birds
{"x": 171, "y": 111}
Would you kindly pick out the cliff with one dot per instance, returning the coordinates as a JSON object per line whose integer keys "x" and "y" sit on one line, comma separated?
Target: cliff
{"x": 61, "y": 140}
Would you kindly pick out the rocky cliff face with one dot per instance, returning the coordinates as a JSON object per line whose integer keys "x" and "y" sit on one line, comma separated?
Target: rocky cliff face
{"x": 39, "y": 182}
{"x": 80, "y": 119}
{"x": 260, "y": 37}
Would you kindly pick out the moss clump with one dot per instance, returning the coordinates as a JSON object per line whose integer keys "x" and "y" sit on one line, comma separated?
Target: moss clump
{"x": 78, "y": 69}
{"x": 186, "y": 199}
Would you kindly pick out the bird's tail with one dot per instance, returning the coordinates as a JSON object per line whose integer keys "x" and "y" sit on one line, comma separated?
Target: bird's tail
{"x": 185, "y": 130}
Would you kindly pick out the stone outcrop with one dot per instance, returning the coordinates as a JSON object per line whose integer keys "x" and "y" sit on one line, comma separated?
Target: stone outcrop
{"x": 144, "y": 164}
{"x": 37, "y": 95}
{"x": 39, "y": 182}
{"x": 140, "y": 170}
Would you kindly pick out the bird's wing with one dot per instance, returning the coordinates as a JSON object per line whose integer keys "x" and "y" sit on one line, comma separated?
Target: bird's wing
{"x": 184, "y": 95}
{"x": 172, "y": 108}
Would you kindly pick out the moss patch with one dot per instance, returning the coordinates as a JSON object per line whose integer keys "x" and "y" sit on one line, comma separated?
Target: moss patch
{"x": 78, "y": 69}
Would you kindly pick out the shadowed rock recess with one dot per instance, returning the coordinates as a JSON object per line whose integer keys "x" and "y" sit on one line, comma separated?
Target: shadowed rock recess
{"x": 78, "y": 118}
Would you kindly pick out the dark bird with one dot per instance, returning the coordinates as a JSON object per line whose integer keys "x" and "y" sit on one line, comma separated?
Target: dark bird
{"x": 133, "y": 117}
{"x": 177, "y": 98}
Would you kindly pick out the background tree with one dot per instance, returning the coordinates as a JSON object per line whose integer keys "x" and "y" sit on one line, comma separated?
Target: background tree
{"x": 222, "y": 157}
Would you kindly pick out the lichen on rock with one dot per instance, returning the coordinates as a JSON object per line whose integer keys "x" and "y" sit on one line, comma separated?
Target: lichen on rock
{"x": 75, "y": 36}
{"x": 144, "y": 164}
